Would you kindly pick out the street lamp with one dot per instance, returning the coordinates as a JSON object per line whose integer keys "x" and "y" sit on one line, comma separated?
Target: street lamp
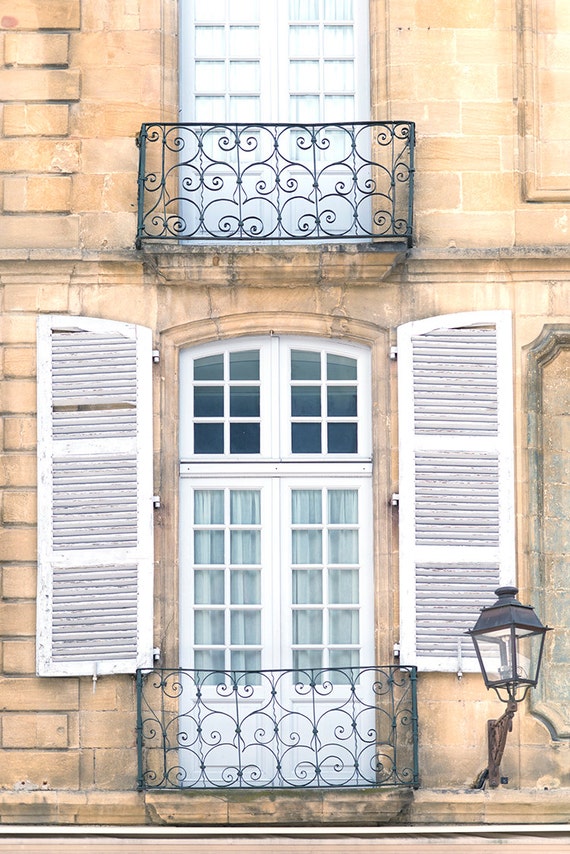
{"x": 509, "y": 640}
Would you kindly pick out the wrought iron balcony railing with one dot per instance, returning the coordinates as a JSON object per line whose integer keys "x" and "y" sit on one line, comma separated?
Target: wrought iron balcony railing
{"x": 277, "y": 728}
{"x": 255, "y": 182}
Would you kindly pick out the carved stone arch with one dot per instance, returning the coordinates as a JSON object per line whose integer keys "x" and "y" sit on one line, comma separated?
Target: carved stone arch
{"x": 548, "y": 398}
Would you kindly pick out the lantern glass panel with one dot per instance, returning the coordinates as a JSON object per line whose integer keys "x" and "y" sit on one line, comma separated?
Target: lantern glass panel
{"x": 510, "y": 654}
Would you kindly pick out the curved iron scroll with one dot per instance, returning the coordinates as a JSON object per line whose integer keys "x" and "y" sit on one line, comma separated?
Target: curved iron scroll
{"x": 243, "y": 182}
{"x": 278, "y": 728}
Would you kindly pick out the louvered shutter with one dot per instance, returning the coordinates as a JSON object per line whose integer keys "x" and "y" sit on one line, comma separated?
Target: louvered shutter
{"x": 456, "y": 481}
{"x": 95, "y": 515}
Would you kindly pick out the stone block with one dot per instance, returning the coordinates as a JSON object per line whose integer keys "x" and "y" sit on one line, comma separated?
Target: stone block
{"x": 50, "y": 769}
{"x": 36, "y": 119}
{"x": 37, "y": 193}
{"x": 30, "y": 84}
{"x": 19, "y": 508}
{"x": 101, "y": 231}
{"x": 39, "y": 15}
{"x": 19, "y": 582}
{"x": 29, "y": 694}
{"x": 109, "y": 156}
{"x": 19, "y": 433}
{"x": 450, "y": 14}
{"x": 19, "y": 657}
{"x": 19, "y": 362}
{"x": 489, "y": 191}
{"x": 36, "y": 48}
{"x": 40, "y": 155}
{"x": 43, "y": 296}
{"x": 18, "y": 470}
{"x": 37, "y": 231}
{"x": 107, "y": 729}
{"x": 18, "y": 544}
{"x": 34, "y": 731}
{"x": 17, "y": 329}
{"x": 18, "y": 395}
{"x": 115, "y": 768}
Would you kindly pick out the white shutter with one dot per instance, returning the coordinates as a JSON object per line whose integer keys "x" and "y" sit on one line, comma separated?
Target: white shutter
{"x": 456, "y": 481}
{"x": 95, "y": 512}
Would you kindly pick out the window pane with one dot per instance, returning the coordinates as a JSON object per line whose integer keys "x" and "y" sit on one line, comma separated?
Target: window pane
{"x": 209, "y": 10}
{"x": 342, "y": 438}
{"x": 305, "y": 400}
{"x": 338, "y": 41}
{"x": 244, "y": 365}
{"x": 338, "y": 108}
{"x": 209, "y": 507}
{"x": 306, "y": 506}
{"x": 244, "y": 661}
{"x": 209, "y": 627}
{"x": 339, "y": 76}
{"x": 245, "y": 627}
{"x": 208, "y": 402}
{"x": 307, "y": 547}
{"x": 210, "y": 77}
{"x": 244, "y": 10}
{"x": 208, "y": 438}
{"x": 208, "y": 547}
{"x": 244, "y": 42}
{"x": 303, "y": 41}
{"x": 303, "y": 10}
{"x": 307, "y": 586}
{"x": 243, "y": 109}
{"x": 210, "y": 109}
{"x": 343, "y": 626}
{"x": 244, "y": 438}
{"x": 210, "y": 42}
{"x": 343, "y": 586}
{"x": 304, "y": 76}
{"x": 341, "y": 401}
{"x": 304, "y": 109}
{"x": 307, "y": 626}
{"x": 245, "y": 507}
{"x": 344, "y": 658}
{"x": 338, "y": 10}
{"x": 340, "y": 367}
{"x": 244, "y": 77}
{"x": 305, "y": 365}
{"x": 306, "y": 659}
{"x": 343, "y": 506}
{"x": 343, "y": 546}
{"x": 306, "y": 438}
{"x": 209, "y": 587}
{"x": 209, "y": 368}
{"x": 209, "y": 659}
{"x": 245, "y": 587}
{"x": 244, "y": 402}
{"x": 245, "y": 547}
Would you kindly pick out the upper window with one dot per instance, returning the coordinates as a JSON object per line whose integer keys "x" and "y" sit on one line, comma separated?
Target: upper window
{"x": 274, "y": 60}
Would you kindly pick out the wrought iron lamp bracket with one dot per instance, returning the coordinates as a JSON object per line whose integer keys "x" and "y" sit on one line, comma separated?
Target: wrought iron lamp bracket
{"x": 497, "y": 731}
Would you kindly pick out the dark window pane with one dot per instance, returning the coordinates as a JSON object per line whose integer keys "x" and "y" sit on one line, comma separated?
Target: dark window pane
{"x": 208, "y": 401}
{"x": 341, "y": 400}
{"x": 244, "y": 402}
{"x": 209, "y": 368}
{"x": 244, "y": 438}
{"x": 306, "y": 438}
{"x": 305, "y": 365}
{"x": 244, "y": 365}
{"x": 340, "y": 367}
{"x": 208, "y": 438}
{"x": 305, "y": 400}
{"x": 342, "y": 439}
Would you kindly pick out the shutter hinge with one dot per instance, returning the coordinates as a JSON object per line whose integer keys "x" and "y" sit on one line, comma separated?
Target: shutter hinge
{"x": 156, "y": 356}
{"x": 156, "y": 502}
{"x": 397, "y": 649}
{"x": 395, "y": 499}
{"x": 393, "y": 353}
{"x": 156, "y": 653}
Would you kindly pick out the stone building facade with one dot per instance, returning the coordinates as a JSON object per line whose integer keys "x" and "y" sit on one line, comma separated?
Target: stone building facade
{"x": 485, "y": 84}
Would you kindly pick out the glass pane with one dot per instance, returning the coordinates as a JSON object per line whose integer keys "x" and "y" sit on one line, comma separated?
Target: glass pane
{"x": 307, "y": 626}
{"x": 305, "y": 400}
{"x": 341, "y": 401}
{"x": 244, "y": 10}
{"x": 245, "y": 627}
{"x": 339, "y": 76}
{"x": 209, "y": 659}
{"x": 307, "y": 547}
{"x": 343, "y": 506}
{"x": 244, "y": 109}
{"x": 244, "y": 365}
{"x": 343, "y": 626}
{"x": 244, "y": 438}
{"x": 244, "y": 42}
{"x": 343, "y": 658}
{"x": 245, "y": 661}
{"x": 209, "y": 627}
{"x": 305, "y": 365}
{"x": 338, "y": 41}
{"x": 304, "y": 109}
{"x": 303, "y": 10}
{"x": 209, "y": 10}
{"x": 210, "y": 42}
{"x": 304, "y": 41}
{"x": 245, "y": 507}
{"x": 244, "y": 77}
{"x": 338, "y": 108}
{"x": 209, "y": 507}
{"x": 208, "y": 401}
{"x": 307, "y": 586}
{"x": 343, "y": 586}
{"x": 340, "y": 367}
{"x": 208, "y": 547}
{"x": 342, "y": 438}
{"x": 208, "y": 438}
{"x": 306, "y": 659}
{"x": 343, "y": 547}
{"x": 306, "y": 438}
{"x": 245, "y": 547}
{"x": 210, "y": 109}
{"x": 245, "y": 587}
{"x": 338, "y": 10}
{"x": 304, "y": 76}
{"x": 209, "y": 368}
{"x": 306, "y": 506}
{"x": 210, "y": 76}
{"x": 209, "y": 587}
{"x": 244, "y": 402}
